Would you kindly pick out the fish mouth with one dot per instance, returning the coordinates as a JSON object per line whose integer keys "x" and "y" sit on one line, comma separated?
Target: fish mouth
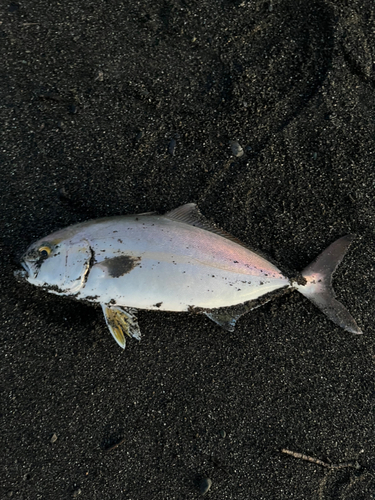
{"x": 24, "y": 273}
{"x": 26, "y": 268}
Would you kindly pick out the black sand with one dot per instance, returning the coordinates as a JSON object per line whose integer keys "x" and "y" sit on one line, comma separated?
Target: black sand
{"x": 121, "y": 107}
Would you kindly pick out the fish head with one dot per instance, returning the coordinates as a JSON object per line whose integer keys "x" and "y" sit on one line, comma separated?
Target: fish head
{"x": 57, "y": 264}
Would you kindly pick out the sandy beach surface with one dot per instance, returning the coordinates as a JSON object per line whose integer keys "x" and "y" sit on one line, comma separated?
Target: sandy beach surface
{"x": 260, "y": 112}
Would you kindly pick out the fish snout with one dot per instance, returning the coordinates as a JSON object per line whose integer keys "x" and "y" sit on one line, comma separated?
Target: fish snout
{"x": 20, "y": 274}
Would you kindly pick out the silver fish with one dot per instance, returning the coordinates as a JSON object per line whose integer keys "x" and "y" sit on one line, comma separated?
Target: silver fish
{"x": 173, "y": 262}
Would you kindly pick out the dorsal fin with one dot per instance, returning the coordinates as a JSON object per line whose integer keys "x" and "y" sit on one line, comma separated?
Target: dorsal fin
{"x": 190, "y": 214}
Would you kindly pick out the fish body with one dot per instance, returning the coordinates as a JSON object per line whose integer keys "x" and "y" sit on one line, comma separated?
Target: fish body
{"x": 158, "y": 263}
{"x": 173, "y": 262}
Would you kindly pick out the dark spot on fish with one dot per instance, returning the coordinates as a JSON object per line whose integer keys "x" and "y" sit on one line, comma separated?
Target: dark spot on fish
{"x": 119, "y": 240}
{"x": 112, "y": 302}
{"x": 92, "y": 297}
{"x": 118, "y": 266}
{"x": 115, "y": 231}
{"x": 90, "y": 263}
{"x": 235, "y": 261}
{"x": 158, "y": 304}
{"x": 261, "y": 283}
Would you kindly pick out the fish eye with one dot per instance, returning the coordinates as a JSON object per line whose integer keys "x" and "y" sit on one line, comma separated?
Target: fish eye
{"x": 44, "y": 251}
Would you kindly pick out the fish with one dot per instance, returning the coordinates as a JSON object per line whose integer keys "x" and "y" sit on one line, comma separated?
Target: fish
{"x": 178, "y": 261}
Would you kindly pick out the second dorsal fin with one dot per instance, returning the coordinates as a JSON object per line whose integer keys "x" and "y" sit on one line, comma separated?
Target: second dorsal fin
{"x": 190, "y": 214}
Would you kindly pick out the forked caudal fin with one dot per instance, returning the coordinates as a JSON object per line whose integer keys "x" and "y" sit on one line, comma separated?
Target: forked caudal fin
{"x": 319, "y": 289}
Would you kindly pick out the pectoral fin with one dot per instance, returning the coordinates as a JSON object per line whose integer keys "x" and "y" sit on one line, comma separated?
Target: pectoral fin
{"x": 121, "y": 322}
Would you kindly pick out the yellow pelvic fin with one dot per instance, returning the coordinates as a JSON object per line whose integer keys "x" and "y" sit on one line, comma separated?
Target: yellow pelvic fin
{"x": 121, "y": 322}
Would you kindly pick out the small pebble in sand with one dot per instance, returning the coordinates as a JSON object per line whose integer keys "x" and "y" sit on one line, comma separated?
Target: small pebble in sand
{"x": 237, "y": 150}
{"x": 205, "y": 485}
{"x": 99, "y": 76}
{"x": 172, "y": 147}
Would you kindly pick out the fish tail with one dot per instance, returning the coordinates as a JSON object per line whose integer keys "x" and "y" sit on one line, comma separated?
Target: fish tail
{"x": 318, "y": 287}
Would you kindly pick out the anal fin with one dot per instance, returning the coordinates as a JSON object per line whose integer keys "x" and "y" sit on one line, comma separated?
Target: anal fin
{"x": 226, "y": 317}
{"x": 223, "y": 318}
{"x": 122, "y": 322}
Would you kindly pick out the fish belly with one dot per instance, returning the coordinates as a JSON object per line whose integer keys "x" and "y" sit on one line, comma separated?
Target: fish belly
{"x": 177, "y": 287}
